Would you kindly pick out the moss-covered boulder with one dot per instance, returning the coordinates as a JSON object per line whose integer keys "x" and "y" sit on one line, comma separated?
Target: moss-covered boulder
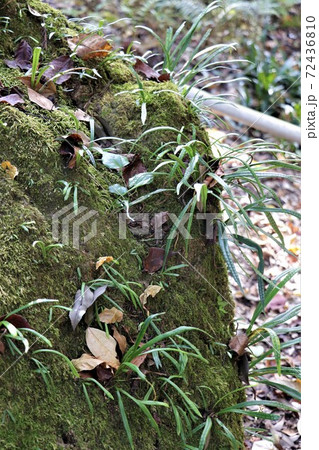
{"x": 40, "y": 415}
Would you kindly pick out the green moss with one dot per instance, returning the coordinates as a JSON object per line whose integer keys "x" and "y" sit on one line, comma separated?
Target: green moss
{"x": 29, "y": 141}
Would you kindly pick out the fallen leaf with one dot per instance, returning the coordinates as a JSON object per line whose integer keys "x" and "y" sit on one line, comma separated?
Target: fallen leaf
{"x": 164, "y": 77}
{"x": 135, "y": 167}
{"x": 86, "y": 362}
{"x": 83, "y": 302}
{"x": 111, "y": 315}
{"x": 11, "y": 99}
{"x": 121, "y": 340}
{"x": 17, "y": 321}
{"x": 85, "y": 374}
{"x": 102, "y": 347}
{"x": 59, "y": 65}
{"x": 40, "y": 100}
{"x": 138, "y": 361}
{"x": 87, "y": 46}
{"x": 239, "y": 343}
{"x": 71, "y": 145}
{"x": 104, "y": 374}
{"x": 47, "y": 89}
{"x": 278, "y": 303}
{"x": 81, "y": 115}
{"x": 102, "y": 260}
{"x": 154, "y": 260}
{"x": 149, "y": 73}
{"x": 263, "y": 445}
{"x": 145, "y": 69}
{"x": 150, "y": 290}
{"x": 9, "y": 169}
{"x": 22, "y": 57}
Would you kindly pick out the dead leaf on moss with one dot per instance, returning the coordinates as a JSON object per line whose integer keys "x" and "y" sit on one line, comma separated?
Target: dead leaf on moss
{"x": 121, "y": 340}
{"x": 58, "y": 66}
{"x": 46, "y": 90}
{"x": 86, "y": 362}
{"x": 149, "y": 72}
{"x": 104, "y": 374}
{"x": 82, "y": 302}
{"x": 71, "y": 145}
{"x": 103, "y": 347}
{"x": 81, "y": 115}
{"x": 40, "y": 100}
{"x": 239, "y": 343}
{"x": 9, "y": 169}
{"x": 111, "y": 315}
{"x": 17, "y": 321}
{"x": 87, "y": 46}
{"x": 150, "y": 290}
{"x": 22, "y": 57}
{"x": 11, "y": 99}
{"x": 154, "y": 260}
{"x": 102, "y": 260}
{"x": 138, "y": 361}
{"x": 2, "y": 348}
{"x": 135, "y": 167}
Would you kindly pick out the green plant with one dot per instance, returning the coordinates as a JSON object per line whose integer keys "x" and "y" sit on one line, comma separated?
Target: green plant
{"x": 4, "y": 23}
{"x": 46, "y": 250}
{"x": 272, "y": 77}
{"x": 200, "y": 60}
{"x": 66, "y": 191}
{"x": 115, "y": 279}
{"x": 13, "y": 334}
{"x": 27, "y": 226}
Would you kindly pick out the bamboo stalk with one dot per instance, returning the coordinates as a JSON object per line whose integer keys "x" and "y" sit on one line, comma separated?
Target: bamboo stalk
{"x": 253, "y": 119}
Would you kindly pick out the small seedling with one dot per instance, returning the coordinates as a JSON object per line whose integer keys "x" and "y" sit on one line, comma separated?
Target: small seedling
{"x": 46, "y": 250}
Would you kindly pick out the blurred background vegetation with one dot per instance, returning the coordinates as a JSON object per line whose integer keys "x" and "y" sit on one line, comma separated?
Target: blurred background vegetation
{"x": 267, "y": 33}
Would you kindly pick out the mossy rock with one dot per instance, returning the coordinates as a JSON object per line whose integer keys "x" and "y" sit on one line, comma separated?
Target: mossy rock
{"x": 59, "y": 418}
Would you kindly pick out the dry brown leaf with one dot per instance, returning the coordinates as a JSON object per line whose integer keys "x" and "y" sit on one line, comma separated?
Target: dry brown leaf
{"x": 81, "y": 115}
{"x": 9, "y": 169}
{"x": 71, "y": 145}
{"x": 2, "y": 348}
{"x": 102, "y": 347}
{"x": 86, "y": 362}
{"x": 47, "y": 90}
{"x": 87, "y": 46}
{"x": 11, "y": 99}
{"x": 17, "y": 321}
{"x": 154, "y": 260}
{"x": 102, "y": 260}
{"x": 59, "y": 65}
{"x": 138, "y": 361}
{"x": 111, "y": 315}
{"x": 104, "y": 374}
{"x": 239, "y": 343}
{"x": 150, "y": 290}
{"x": 135, "y": 167}
{"x": 22, "y": 57}
{"x": 121, "y": 340}
{"x": 40, "y": 100}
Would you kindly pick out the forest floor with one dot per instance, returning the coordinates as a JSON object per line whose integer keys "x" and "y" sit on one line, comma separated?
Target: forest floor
{"x": 277, "y": 40}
